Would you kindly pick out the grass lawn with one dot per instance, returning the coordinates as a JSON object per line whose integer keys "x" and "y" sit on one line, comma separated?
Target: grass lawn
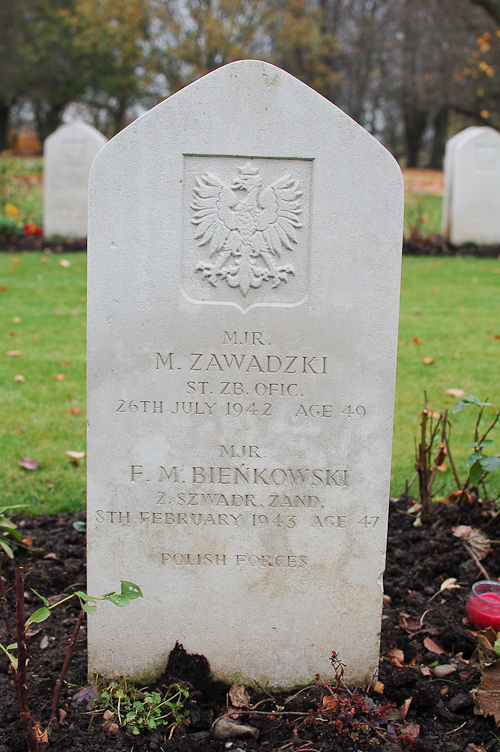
{"x": 423, "y": 213}
{"x": 43, "y": 307}
{"x": 451, "y": 305}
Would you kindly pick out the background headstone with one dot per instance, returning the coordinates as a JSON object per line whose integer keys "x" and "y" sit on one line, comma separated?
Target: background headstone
{"x": 448, "y": 182}
{"x": 244, "y": 270}
{"x": 68, "y": 156}
{"x": 471, "y": 205}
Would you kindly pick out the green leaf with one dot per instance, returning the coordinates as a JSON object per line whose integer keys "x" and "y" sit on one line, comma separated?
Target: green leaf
{"x": 483, "y": 444}
{"x": 470, "y": 400}
{"x": 44, "y": 600}
{"x": 496, "y": 647}
{"x": 118, "y": 600}
{"x": 12, "y": 646}
{"x": 476, "y": 473}
{"x": 130, "y": 590}
{"x": 8, "y": 524}
{"x": 89, "y": 608}
{"x": 474, "y": 457}
{"x": 39, "y": 616}
{"x": 490, "y": 463}
{"x": 83, "y": 596}
{"x": 80, "y": 526}
{"x": 8, "y": 550}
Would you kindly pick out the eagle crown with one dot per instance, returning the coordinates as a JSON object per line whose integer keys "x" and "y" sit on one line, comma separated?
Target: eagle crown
{"x": 248, "y": 180}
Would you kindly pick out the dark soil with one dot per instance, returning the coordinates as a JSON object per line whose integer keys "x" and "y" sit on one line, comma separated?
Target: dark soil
{"x": 418, "y": 561}
{"x": 433, "y": 245}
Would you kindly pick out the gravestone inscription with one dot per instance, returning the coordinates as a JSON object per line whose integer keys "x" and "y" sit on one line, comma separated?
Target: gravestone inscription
{"x": 471, "y": 203}
{"x": 244, "y": 266}
{"x": 68, "y": 156}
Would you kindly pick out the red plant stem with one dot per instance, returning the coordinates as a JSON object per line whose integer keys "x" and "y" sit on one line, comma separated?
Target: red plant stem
{"x": 20, "y": 676}
{"x": 4, "y": 612}
{"x": 57, "y": 689}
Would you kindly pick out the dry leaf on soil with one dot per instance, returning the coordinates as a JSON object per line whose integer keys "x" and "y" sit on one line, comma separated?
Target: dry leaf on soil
{"x": 28, "y": 463}
{"x": 487, "y": 696}
{"x": 478, "y": 542}
{"x": 433, "y": 647}
{"x": 403, "y": 710}
{"x": 396, "y": 657}
{"x": 239, "y": 696}
{"x": 449, "y": 584}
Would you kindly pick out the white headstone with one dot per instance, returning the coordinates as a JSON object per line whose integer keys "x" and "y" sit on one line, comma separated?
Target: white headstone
{"x": 68, "y": 156}
{"x": 244, "y": 269}
{"x": 471, "y": 207}
{"x": 449, "y": 161}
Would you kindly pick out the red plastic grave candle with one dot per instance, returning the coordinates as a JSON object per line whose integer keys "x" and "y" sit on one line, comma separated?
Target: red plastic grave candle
{"x": 483, "y": 606}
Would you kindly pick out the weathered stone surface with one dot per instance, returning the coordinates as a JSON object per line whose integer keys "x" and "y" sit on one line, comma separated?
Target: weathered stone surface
{"x": 68, "y": 156}
{"x": 471, "y": 204}
{"x": 244, "y": 261}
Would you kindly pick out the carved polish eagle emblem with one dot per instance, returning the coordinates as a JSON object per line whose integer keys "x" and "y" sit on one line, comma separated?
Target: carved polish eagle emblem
{"x": 245, "y": 227}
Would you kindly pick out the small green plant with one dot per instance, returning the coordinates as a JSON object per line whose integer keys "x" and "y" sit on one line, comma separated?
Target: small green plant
{"x": 10, "y": 537}
{"x": 141, "y": 710}
{"x": 478, "y": 464}
{"x": 17, "y": 653}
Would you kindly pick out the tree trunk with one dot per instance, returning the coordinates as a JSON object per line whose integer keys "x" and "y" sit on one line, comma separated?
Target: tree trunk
{"x": 438, "y": 143}
{"x": 415, "y": 121}
{"x": 4, "y": 124}
{"x": 48, "y": 119}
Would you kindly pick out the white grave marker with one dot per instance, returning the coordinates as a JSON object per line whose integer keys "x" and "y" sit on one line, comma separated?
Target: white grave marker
{"x": 471, "y": 203}
{"x": 244, "y": 269}
{"x": 68, "y": 156}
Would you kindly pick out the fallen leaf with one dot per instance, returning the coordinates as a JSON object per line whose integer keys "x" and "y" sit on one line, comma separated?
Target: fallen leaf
{"x": 442, "y": 468}
{"x": 66, "y": 362}
{"x": 44, "y": 643}
{"x": 449, "y": 584}
{"x": 477, "y": 540}
{"x": 44, "y": 260}
{"x": 32, "y": 632}
{"x": 76, "y": 455}
{"x": 407, "y": 622}
{"x": 56, "y": 311}
{"x": 378, "y": 687}
{"x": 59, "y": 377}
{"x": 28, "y": 464}
{"x": 330, "y": 704}
{"x": 239, "y": 696}
{"x": 108, "y": 715}
{"x": 87, "y": 694}
{"x": 62, "y": 715}
{"x": 20, "y": 378}
{"x": 27, "y": 541}
{"x": 487, "y": 696}
{"x": 427, "y": 361}
{"x": 50, "y": 556}
{"x": 433, "y": 413}
{"x": 409, "y": 734}
{"x": 396, "y": 657}
{"x": 456, "y": 393}
{"x": 416, "y": 341}
{"x": 433, "y": 647}
{"x": 16, "y": 320}
{"x": 403, "y": 710}
{"x": 75, "y": 410}
{"x": 112, "y": 728}
{"x": 3, "y": 288}
{"x": 83, "y": 324}
{"x": 65, "y": 263}
{"x": 75, "y": 312}
{"x": 425, "y": 671}
{"x": 13, "y": 353}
